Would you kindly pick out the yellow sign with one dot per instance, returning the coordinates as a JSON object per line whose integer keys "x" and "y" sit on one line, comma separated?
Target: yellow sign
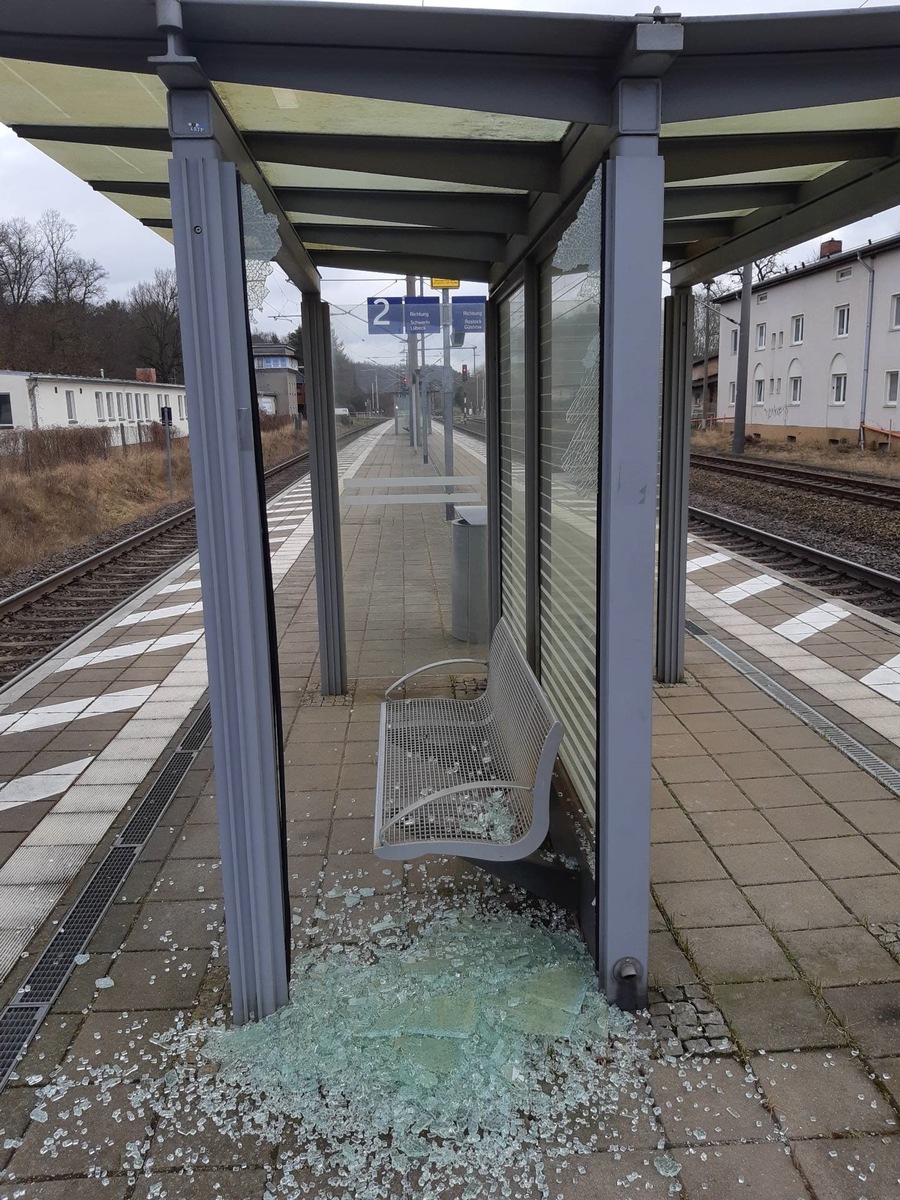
{"x": 448, "y": 284}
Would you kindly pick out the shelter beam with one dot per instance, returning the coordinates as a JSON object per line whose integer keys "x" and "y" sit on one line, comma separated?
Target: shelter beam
{"x": 235, "y": 571}
{"x": 678, "y": 328}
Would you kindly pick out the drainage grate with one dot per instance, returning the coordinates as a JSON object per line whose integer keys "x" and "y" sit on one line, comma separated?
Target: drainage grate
{"x": 154, "y": 804}
{"x": 199, "y": 731}
{"x": 858, "y": 753}
{"x": 52, "y": 969}
{"x": 22, "y": 1018}
{"x": 17, "y": 1027}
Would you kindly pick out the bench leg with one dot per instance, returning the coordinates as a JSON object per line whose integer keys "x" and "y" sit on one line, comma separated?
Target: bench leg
{"x": 550, "y": 881}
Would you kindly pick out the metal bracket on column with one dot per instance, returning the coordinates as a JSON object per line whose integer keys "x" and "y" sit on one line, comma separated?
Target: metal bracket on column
{"x": 325, "y": 496}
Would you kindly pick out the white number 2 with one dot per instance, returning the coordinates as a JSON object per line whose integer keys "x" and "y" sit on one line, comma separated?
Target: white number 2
{"x": 384, "y": 308}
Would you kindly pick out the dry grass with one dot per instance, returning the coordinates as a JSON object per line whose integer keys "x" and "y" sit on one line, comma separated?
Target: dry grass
{"x": 845, "y": 458}
{"x": 62, "y": 506}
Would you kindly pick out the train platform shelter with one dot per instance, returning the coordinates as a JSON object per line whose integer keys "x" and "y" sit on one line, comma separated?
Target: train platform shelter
{"x": 565, "y": 161}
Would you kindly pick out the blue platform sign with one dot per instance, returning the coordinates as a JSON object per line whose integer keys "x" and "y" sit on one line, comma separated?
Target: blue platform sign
{"x": 423, "y": 314}
{"x": 467, "y": 313}
{"x": 385, "y": 314}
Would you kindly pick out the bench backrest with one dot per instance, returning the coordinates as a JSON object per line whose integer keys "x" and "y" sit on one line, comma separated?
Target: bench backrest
{"x": 520, "y": 710}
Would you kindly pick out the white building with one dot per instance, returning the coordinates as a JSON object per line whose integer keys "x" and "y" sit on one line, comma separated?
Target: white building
{"x": 33, "y": 401}
{"x": 824, "y": 348}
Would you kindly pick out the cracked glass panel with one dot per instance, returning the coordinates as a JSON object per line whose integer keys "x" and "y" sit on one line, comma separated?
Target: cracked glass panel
{"x": 571, "y": 285}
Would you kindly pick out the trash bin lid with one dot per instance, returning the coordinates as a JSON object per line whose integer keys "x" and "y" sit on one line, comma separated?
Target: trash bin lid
{"x": 471, "y": 514}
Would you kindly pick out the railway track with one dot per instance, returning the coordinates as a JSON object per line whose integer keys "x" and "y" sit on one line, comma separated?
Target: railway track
{"x": 843, "y": 487}
{"x": 41, "y": 618}
{"x": 863, "y": 586}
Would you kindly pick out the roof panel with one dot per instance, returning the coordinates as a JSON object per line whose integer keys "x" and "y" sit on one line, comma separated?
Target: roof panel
{"x": 108, "y": 162}
{"x": 801, "y": 174}
{"x": 834, "y": 118}
{"x": 287, "y": 175}
{"x": 46, "y": 94}
{"x": 289, "y": 110}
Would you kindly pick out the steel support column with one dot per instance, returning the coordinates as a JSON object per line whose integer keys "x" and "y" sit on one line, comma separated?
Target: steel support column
{"x": 238, "y": 609}
{"x": 674, "y": 467}
{"x": 325, "y": 495}
{"x": 492, "y": 451}
{"x": 532, "y": 290}
{"x": 629, "y": 406}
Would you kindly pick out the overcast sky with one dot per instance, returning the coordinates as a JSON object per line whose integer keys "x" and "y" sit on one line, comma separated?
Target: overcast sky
{"x": 30, "y": 182}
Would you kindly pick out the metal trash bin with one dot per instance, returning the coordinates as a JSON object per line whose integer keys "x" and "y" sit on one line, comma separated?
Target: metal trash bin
{"x": 470, "y": 616}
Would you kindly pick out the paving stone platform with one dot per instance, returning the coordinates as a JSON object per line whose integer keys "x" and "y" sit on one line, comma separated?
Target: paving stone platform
{"x": 774, "y": 961}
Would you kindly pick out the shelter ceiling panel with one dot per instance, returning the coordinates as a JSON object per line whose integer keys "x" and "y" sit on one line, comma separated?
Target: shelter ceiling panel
{"x": 141, "y": 206}
{"x": 838, "y": 118}
{"x": 89, "y": 161}
{"x": 289, "y": 110}
{"x": 38, "y": 93}
{"x": 800, "y": 174}
{"x": 289, "y": 175}
{"x": 302, "y": 218}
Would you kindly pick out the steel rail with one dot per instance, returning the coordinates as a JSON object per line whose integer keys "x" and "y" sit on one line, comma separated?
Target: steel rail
{"x": 843, "y": 487}
{"x": 873, "y": 578}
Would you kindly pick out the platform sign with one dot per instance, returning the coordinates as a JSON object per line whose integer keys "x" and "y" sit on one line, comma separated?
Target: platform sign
{"x": 385, "y": 314}
{"x": 423, "y": 314}
{"x": 447, "y": 285}
{"x": 467, "y": 314}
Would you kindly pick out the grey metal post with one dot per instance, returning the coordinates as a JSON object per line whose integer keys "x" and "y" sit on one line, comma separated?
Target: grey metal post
{"x": 412, "y": 355}
{"x": 492, "y": 454}
{"x": 447, "y": 382}
{"x": 674, "y": 468}
{"x": 738, "y": 436}
{"x": 238, "y": 611}
{"x": 532, "y": 295}
{"x": 325, "y": 495}
{"x": 168, "y": 428}
{"x": 632, "y": 257}
{"x": 704, "y": 403}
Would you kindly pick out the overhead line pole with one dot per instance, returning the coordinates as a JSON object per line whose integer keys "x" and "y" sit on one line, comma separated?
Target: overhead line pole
{"x": 447, "y": 382}
{"x": 738, "y": 436}
{"x": 412, "y": 355}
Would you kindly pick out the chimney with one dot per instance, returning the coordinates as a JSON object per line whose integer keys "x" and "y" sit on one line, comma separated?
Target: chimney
{"x": 832, "y": 246}
{"x": 145, "y": 374}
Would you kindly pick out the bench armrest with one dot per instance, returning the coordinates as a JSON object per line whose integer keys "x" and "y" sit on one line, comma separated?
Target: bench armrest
{"x": 446, "y": 662}
{"x": 457, "y": 790}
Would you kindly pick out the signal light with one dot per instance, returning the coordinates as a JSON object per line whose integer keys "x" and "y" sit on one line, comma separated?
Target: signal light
{"x": 465, "y": 370}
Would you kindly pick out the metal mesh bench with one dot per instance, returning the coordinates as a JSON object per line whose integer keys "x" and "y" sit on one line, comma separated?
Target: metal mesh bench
{"x": 468, "y": 777}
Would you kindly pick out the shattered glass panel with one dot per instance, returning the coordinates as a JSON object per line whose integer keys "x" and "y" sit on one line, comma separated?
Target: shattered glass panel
{"x": 571, "y": 286}
{"x": 511, "y": 396}
{"x": 261, "y": 243}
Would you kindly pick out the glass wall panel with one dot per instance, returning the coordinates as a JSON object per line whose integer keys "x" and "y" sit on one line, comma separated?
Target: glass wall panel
{"x": 570, "y": 288}
{"x": 511, "y": 326}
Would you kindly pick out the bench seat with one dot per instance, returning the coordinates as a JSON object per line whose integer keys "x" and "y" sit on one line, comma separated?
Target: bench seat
{"x": 468, "y": 777}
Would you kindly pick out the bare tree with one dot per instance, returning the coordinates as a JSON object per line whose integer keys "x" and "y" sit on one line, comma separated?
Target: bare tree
{"x": 154, "y": 306}
{"x": 21, "y": 264}
{"x": 67, "y": 277}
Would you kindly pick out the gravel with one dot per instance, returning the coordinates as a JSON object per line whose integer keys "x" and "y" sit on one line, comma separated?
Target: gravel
{"x": 859, "y": 532}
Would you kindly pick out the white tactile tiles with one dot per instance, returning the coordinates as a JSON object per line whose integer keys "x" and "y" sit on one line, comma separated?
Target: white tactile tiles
{"x": 75, "y": 709}
{"x": 852, "y": 695}
{"x": 186, "y": 586}
{"x": 171, "y": 641}
{"x": 706, "y": 560}
{"x": 814, "y": 620}
{"x": 885, "y": 680}
{"x": 162, "y": 614}
{"x": 34, "y": 877}
{"x": 42, "y": 784}
{"x": 750, "y": 587}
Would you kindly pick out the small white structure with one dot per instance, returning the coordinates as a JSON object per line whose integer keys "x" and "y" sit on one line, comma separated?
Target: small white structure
{"x": 34, "y": 401}
{"x": 824, "y": 348}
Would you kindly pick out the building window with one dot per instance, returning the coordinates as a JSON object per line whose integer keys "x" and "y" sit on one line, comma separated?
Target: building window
{"x": 797, "y": 330}
{"x": 780, "y": 338}
{"x": 98, "y": 400}
{"x": 843, "y": 273}
{"x": 181, "y": 408}
{"x": 71, "y": 414}
{"x": 762, "y": 297}
{"x": 842, "y": 320}
{"x": 129, "y": 406}
{"x": 5, "y": 410}
{"x": 895, "y": 312}
{"x": 771, "y": 386}
{"x": 732, "y": 393}
{"x": 796, "y": 384}
{"x": 759, "y": 391}
{"x": 110, "y": 411}
{"x": 120, "y": 405}
{"x": 734, "y": 338}
{"x": 761, "y": 336}
{"x": 839, "y": 389}
{"x": 146, "y": 406}
{"x": 891, "y": 387}
{"x": 778, "y": 386}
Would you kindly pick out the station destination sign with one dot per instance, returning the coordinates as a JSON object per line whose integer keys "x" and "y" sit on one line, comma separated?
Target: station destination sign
{"x": 423, "y": 314}
{"x": 467, "y": 314}
{"x": 385, "y": 314}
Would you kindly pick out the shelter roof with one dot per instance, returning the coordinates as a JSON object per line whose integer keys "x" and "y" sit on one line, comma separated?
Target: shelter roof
{"x": 444, "y": 141}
